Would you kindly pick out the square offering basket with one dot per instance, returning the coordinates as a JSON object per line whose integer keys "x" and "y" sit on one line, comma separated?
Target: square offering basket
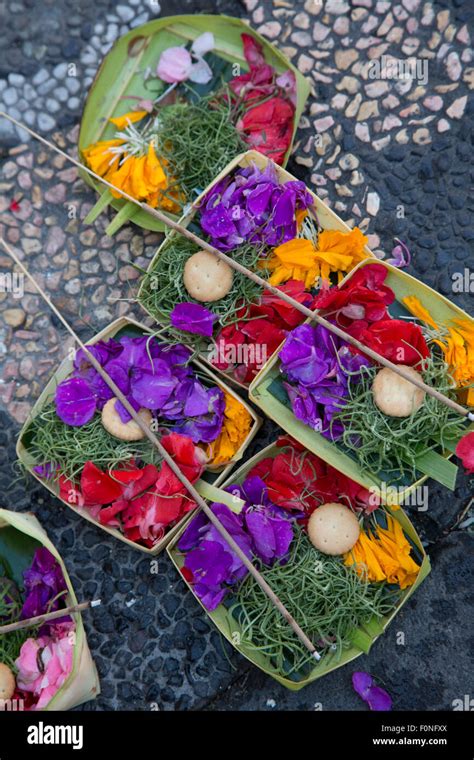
{"x": 17, "y": 531}
{"x": 267, "y": 392}
{"x": 229, "y": 627}
{"x": 327, "y": 219}
{"x": 126, "y": 326}
{"x": 141, "y": 48}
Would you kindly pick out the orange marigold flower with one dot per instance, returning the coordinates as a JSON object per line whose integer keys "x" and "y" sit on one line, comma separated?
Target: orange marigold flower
{"x": 457, "y": 345}
{"x": 384, "y": 556}
{"x": 235, "y": 429}
{"x": 300, "y": 259}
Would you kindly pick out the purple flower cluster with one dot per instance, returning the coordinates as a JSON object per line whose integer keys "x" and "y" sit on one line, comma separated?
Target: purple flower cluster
{"x": 153, "y": 375}
{"x": 251, "y": 206}
{"x": 261, "y": 529}
{"x": 317, "y": 364}
{"x": 44, "y": 585}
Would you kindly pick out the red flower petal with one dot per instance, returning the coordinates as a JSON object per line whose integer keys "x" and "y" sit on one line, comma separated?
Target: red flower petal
{"x": 107, "y": 515}
{"x": 465, "y": 452}
{"x": 97, "y": 486}
{"x": 187, "y": 574}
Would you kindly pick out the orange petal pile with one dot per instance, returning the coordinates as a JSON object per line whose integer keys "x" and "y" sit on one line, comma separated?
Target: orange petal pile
{"x": 457, "y": 345}
{"x": 235, "y": 429}
{"x": 384, "y": 556}
{"x": 300, "y": 259}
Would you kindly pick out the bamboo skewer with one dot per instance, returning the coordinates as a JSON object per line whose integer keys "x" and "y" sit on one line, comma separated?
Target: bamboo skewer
{"x": 39, "y": 620}
{"x": 399, "y": 370}
{"x": 171, "y": 463}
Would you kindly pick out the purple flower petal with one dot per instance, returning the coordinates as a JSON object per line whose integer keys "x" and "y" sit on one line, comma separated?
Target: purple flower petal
{"x": 153, "y": 389}
{"x": 376, "y": 697}
{"x": 252, "y": 206}
{"x": 75, "y": 402}
{"x": 44, "y": 581}
{"x": 209, "y": 562}
{"x": 401, "y": 256}
{"x": 193, "y": 318}
{"x": 362, "y": 682}
{"x": 379, "y": 700}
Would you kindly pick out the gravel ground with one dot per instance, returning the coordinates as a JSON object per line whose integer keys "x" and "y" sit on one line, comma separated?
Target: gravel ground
{"x": 389, "y": 155}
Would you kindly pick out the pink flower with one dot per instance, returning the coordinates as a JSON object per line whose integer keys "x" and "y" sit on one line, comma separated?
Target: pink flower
{"x": 54, "y": 657}
{"x": 465, "y": 452}
{"x": 176, "y": 63}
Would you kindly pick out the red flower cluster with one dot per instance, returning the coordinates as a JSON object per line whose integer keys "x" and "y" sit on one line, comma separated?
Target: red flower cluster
{"x": 360, "y": 307}
{"x": 141, "y": 502}
{"x": 269, "y": 103}
{"x": 243, "y": 346}
{"x": 299, "y": 480}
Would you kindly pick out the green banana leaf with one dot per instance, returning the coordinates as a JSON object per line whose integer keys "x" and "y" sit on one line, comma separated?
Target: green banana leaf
{"x": 362, "y": 639}
{"x": 121, "y": 73}
{"x": 267, "y": 392}
{"x": 20, "y": 535}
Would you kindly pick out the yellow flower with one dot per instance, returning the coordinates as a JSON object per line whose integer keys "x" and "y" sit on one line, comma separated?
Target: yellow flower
{"x": 299, "y": 259}
{"x": 235, "y": 429}
{"x": 100, "y": 158}
{"x": 384, "y": 556}
{"x": 142, "y": 177}
{"x": 457, "y": 345}
{"x": 128, "y": 118}
{"x": 416, "y": 308}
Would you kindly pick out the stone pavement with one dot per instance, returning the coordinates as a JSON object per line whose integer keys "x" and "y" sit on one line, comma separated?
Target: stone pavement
{"x": 390, "y": 155}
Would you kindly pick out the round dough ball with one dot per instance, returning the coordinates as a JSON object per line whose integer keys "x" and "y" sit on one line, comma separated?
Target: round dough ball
{"x": 395, "y": 396}
{"x": 207, "y": 278}
{"x": 333, "y": 528}
{"x": 126, "y": 431}
{"x": 7, "y": 682}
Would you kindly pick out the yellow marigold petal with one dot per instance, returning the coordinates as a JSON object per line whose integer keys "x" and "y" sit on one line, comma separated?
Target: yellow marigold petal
{"x": 416, "y": 308}
{"x": 386, "y": 555}
{"x": 349, "y": 243}
{"x": 235, "y": 429}
{"x": 296, "y": 252}
{"x": 121, "y": 178}
{"x": 154, "y": 171}
{"x": 99, "y": 157}
{"x": 137, "y": 178}
{"x": 335, "y": 243}
{"x": 128, "y": 118}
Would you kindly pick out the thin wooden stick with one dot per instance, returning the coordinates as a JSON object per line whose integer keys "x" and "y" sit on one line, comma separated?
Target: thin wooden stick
{"x": 399, "y": 370}
{"x": 171, "y": 463}
{"x": 39, "y": 620}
